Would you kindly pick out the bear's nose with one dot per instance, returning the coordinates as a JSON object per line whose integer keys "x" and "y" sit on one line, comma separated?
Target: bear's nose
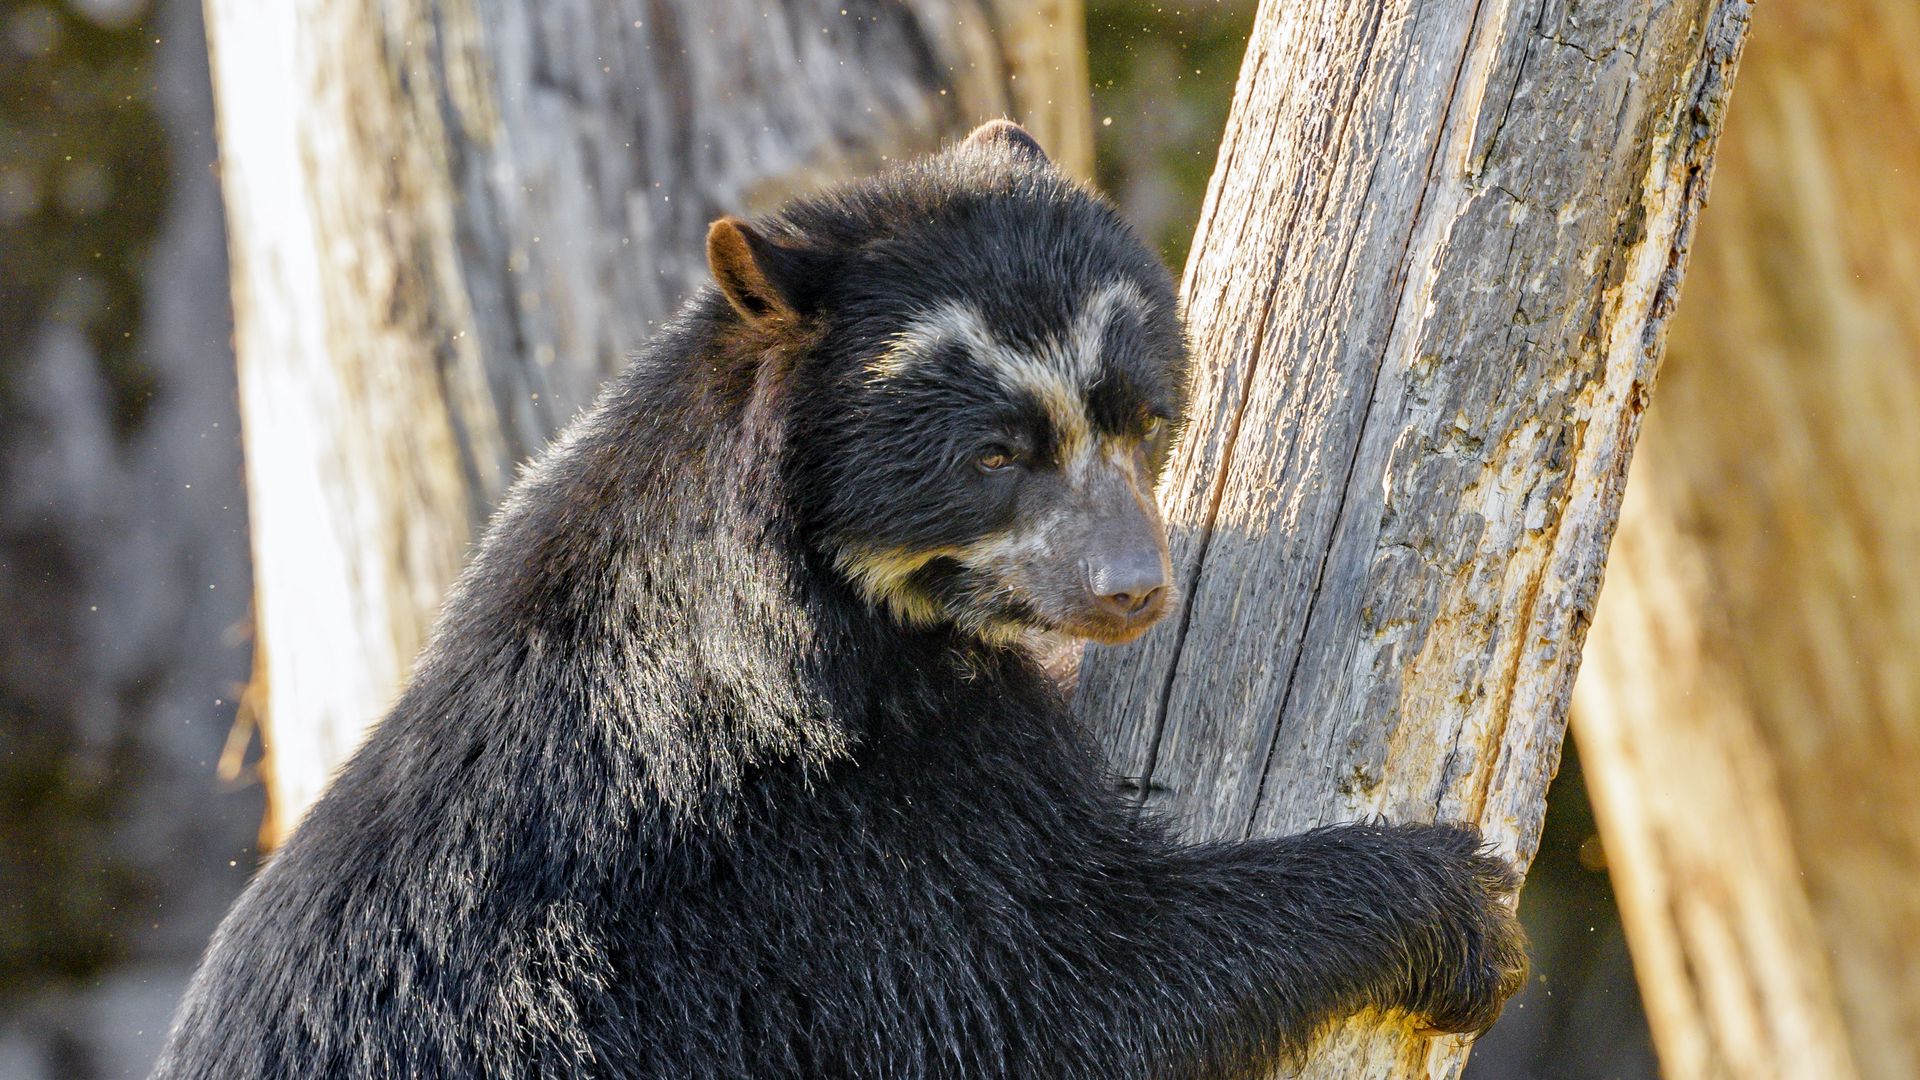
{"x": 1125, "y": 586}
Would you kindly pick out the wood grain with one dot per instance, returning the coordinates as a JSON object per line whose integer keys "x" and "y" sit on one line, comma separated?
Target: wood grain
{"x": 1428, "y": 296}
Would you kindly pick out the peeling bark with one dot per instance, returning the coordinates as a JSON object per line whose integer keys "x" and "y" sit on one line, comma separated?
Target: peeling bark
{"x": 451, "y": 219}
{"x": 1428, "y": 295}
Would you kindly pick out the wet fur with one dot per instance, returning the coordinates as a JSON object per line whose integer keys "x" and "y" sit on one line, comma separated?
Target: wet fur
{"x": 669, "y": 797}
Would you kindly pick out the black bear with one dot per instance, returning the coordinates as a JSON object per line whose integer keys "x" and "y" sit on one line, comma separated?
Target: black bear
{"x": 727, "y": 758}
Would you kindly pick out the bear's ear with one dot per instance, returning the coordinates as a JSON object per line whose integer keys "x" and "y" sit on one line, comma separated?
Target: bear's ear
{"x": 1008, "y": 137}
{"x": 761, "y": 279}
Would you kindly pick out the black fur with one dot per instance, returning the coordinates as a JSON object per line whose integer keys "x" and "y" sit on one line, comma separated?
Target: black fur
{"x": 667, "y": 798}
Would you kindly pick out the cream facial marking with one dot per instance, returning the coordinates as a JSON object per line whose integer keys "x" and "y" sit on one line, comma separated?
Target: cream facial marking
{"x": 882, "y": 577}
{"x": 1032, "y": 540}
{"x": 1057, "y": 374}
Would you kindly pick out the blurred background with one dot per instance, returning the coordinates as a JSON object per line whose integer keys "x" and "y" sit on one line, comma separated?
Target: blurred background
{"x": 1751, "y": 695}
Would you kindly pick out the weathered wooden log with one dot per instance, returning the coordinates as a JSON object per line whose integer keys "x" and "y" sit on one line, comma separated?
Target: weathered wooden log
{"x": 1428, "y": 297}
{"x": 1750, "y": 720}
{"x": 450, "y": 220}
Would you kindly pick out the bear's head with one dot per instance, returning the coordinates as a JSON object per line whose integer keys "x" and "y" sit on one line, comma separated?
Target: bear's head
{"x": 982, "y": 370}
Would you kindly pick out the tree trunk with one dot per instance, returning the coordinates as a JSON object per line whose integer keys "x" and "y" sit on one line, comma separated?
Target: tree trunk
{"x": 1751, "y": 720}
{"x": 1428, "y": 297}
{"x": 451, "y": 219}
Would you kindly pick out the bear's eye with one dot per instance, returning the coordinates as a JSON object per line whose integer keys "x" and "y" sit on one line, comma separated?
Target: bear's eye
{"x": 995, "y": 459}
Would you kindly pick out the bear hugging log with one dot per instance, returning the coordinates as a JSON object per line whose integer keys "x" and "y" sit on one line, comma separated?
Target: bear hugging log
{"x": 1650, "y": 212}
{"x": 1428, "y": 297}
{"x": 726, "y": 757}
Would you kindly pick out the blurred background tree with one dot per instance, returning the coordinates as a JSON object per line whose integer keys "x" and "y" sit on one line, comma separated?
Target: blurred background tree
{"x": 1750, "y": 711}
{"x": 123, "y": 554}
